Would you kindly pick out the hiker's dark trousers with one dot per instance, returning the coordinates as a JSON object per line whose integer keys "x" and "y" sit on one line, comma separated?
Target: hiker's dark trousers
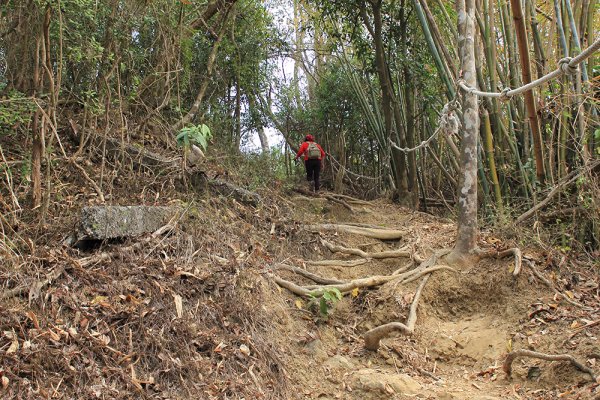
{"x": 313, "y": 170}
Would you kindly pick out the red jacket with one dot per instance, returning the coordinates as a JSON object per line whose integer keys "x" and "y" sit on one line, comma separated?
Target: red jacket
{"x": 303, "y": 150}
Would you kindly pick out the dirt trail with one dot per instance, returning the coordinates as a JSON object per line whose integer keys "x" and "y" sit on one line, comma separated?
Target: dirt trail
{"x": 467, "y": 321}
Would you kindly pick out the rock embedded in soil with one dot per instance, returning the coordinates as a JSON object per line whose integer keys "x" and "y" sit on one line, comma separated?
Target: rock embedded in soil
{"x": 109, "y": 222}
{"x": 368, "y": 380}
{"x": 339, "y": 362}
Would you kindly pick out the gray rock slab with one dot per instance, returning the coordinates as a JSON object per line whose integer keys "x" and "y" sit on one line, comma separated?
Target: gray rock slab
{"x": 108, "y": 222}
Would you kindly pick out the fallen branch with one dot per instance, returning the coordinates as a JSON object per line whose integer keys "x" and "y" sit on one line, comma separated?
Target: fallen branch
{"x": 374, "y": 336}
{"x": 375, "y": 233}
{"x": 569, "y": 179}
{"x": 403, "y": 252}
{"x": 542, "y": 278}
{"x": 583, "y": 328}
{"x": 507, "y": 366}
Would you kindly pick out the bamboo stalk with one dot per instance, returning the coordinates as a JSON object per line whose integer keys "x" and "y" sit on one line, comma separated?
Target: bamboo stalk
{"x": 529, "y": 100}
{"x": 489, "y": 149}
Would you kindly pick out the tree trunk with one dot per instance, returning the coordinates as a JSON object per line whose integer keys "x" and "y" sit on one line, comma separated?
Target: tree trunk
{"x": 466, "y": 240}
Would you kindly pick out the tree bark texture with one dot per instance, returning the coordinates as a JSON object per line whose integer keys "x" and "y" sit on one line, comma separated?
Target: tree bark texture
{"x": 466, "y": 241}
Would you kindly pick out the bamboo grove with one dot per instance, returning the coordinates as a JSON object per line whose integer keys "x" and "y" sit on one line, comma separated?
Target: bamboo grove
{"x": 366, "y": 76}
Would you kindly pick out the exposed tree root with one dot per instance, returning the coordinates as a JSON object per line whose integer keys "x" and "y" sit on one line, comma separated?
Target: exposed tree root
{"x": 516, "y": 252}
{"x": 352, "y": 200}
{"x": 348, "y": 286}
{"x": 309, "y": 275}
{"x": 337, "y": 263}
{"x": 291, "y": 286}
{"x": 507, "y": 366}
{"x": 403, "y": 252}
{"x": 345, "y": 287}
{"x": 374, "y": 336}
{"x": 338, "y": 201}
{"x": 375, "y": 233}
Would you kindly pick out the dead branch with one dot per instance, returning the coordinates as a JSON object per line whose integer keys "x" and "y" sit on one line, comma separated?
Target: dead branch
{"x": 374, "y": 336}
{"x": 90, "y": 180}
{"x": 403, "y": 252}
{"x": 569, "y": 179}
{"x": 375, "y": 233}
{"x": 549, "y": 284}
{"x": 309, "y": 275}
{"x": 32, "y": 289}
{"x": 337, "y": 263}
{"x": 507, "y": 366}
{"x": 583, "y": 328}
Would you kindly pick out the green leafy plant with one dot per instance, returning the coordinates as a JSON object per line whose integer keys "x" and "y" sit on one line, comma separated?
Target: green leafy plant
{"x": 196, "y": 134}
{"x": 326, "y": 300}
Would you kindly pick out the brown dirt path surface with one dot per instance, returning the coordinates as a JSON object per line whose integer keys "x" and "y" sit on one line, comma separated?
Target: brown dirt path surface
{"x": 467, "y": 322}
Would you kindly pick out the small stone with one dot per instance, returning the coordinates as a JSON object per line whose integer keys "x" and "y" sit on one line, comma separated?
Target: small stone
{"x": 339, "y": 362}
{"x": 245, "y": 350}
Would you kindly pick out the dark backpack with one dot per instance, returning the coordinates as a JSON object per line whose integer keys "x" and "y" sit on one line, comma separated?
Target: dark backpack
{"x": 313, "y": 152}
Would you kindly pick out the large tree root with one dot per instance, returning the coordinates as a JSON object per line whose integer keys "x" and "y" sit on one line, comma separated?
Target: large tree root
{"x": 339, "y": 201}
{"x": 374, "y": 336}
{"x": 351, "y": 200}
{"x": 375, "y": 233}
{"x": 507, "y": 366}
{"x": 308, "y": 274}
{"x": 361, "y": 283}
{"x": 515, "y": 252}
{"x": 403, "y": 252}
{"x": 337, "y": 263}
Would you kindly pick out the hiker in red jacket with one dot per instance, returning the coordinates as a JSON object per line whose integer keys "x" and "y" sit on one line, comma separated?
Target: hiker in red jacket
{"x": 313, "y": 159}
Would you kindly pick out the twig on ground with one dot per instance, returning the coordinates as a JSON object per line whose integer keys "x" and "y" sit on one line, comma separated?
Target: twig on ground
{"x": 583, "y": 328}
